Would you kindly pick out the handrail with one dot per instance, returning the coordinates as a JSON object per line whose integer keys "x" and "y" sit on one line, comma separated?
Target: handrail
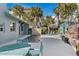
{"x": 24, "y": 37}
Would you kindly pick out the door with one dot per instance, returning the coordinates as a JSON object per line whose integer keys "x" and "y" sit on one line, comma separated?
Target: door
{"x": 29, "y": 31}
{"x": 19, "y": 30}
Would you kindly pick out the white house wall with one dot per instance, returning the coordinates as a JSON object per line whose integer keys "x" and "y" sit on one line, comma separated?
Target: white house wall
{"x": 7, "y": 35}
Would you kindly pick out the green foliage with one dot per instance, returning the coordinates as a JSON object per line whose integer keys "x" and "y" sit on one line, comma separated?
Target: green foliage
{"x": 48, "y": 21}
{"x": 18, "y": 10}
{"x": 77, "y": 49}
{"x": 35, "y": 12}
{"x": 44, "y": 30}
{"x": 65, "y": 9}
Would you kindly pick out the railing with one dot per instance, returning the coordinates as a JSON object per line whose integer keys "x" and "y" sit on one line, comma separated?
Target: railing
{"x": 36, "y": 51}
{"x": 23, "y": 39}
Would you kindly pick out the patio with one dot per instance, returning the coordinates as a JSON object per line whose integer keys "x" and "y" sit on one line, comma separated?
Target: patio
{"x": 53, "y": 46}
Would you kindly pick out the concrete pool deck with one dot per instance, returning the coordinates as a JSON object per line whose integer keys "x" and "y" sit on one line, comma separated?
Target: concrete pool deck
{"x": 52, "y": 46}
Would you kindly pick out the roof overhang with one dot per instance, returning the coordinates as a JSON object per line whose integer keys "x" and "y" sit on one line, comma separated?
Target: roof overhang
{"x": 14, "y": 17}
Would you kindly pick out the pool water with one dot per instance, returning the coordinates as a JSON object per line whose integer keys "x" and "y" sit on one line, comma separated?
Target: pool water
{"x": 12, "y": 47}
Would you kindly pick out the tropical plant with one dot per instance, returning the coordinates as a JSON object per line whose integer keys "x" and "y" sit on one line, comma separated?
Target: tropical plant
{"x": 77, "y": 49}
{"x": 18, "y": 11}
{"x": 65, "y": 10}
{"x": 71, "y": 8}
{"x": 48, "y": 22}
{"x": 37, "y": 13}
{"x": 33, "y": 17}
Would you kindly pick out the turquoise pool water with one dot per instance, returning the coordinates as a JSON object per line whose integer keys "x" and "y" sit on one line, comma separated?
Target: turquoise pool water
{"x": 21, "y": 47}
{"x": 12, "y": 47}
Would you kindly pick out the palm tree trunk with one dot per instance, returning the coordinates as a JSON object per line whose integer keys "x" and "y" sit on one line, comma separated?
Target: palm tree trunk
{"x": 35, "y": 21}
{"x": 70, "y": 19}
{"x": 59, "y": 18}
{"x": 48, "y": 29}
{"x": 40, "y": 21}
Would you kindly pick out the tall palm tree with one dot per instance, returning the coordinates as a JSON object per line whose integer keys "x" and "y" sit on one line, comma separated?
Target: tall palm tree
{"x": 70, "y": 9}
{"x": 56, "y": 11}
{"x": 59, "y": 12}
{"x": 66, "y": 11}
{"x": 48, "y": 22}
{"x": 37, "y": 13}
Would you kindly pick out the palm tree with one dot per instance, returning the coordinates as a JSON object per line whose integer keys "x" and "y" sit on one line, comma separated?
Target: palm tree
{"x": 70, "y": 9}
{"x": 65, "y": 9}
{"x": 56, "y": 11}
{"x": 59, "y": 12}
{"x": 48, "y": 22}
{"x": 37, "y": 13}
{"x": 18, "y": 11}
{"x": 33, "y": 17}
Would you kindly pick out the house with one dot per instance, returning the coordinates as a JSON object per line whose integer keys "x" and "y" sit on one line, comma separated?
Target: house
{"x": 11, "y": 28}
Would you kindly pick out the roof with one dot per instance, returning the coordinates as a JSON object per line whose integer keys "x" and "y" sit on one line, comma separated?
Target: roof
{"x": 14, "y": 17}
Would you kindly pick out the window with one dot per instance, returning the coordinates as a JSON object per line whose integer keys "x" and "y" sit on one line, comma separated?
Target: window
{"x": 12, "y": 26}
{"x": 1, "y": 27}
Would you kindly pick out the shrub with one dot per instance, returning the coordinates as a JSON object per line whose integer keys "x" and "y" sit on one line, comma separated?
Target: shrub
{"x": 77, "y": 49}
{"x": 77, "y": 52}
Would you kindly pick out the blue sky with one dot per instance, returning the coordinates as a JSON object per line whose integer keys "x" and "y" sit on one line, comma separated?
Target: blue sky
{"x": 46, "y": 7}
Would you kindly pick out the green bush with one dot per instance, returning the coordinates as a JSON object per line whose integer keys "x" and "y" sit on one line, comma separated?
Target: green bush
{"x": 44, "y": 30}
{"x": 77, "y": 52}
{"x": 77, "y": 49}
{"x": 77, "y": 46}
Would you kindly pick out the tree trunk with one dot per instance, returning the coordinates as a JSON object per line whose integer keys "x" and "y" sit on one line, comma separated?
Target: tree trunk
{"x": 35, "y": 18}
{"x": 59, "y": 18}
{"x": 48, "y": 29}
{"x": 40, "y": 22}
